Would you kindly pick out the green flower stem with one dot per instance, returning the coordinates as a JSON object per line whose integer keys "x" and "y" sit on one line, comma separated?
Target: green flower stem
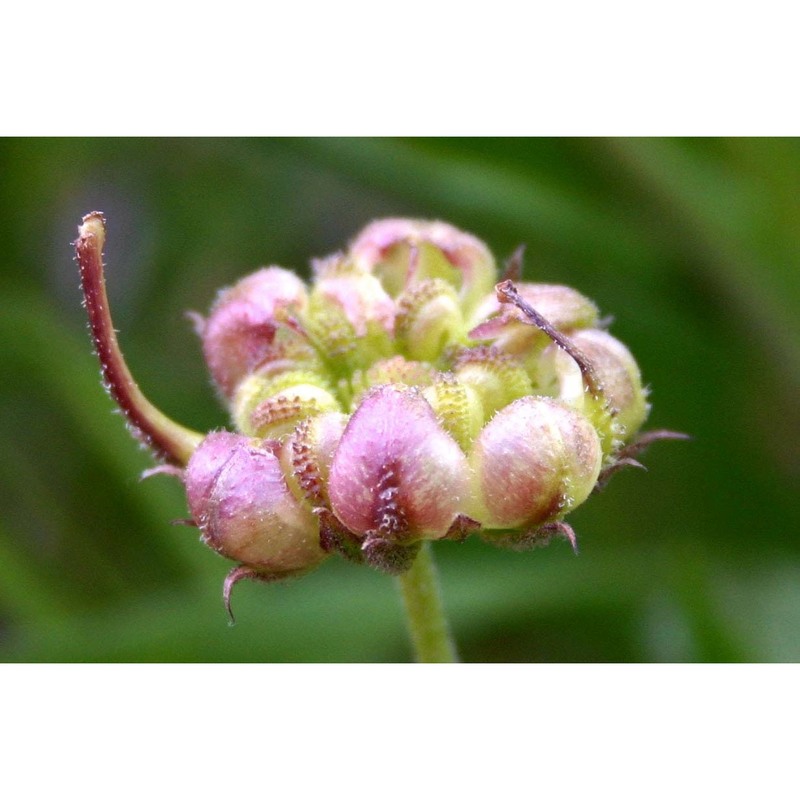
{"x": 430, "y": 633}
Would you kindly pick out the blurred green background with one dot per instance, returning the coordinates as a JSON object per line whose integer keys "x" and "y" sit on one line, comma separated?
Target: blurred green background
{"x": 692, "y": 245}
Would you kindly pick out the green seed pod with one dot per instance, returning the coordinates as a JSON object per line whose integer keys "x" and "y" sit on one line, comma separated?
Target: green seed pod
{"x": 497, "y": 378}
{"x": 271, "y": 407}
{"x": 458, "y": 407}
{"x": 429, "y": 318}
{"x": 350, "y": 317}
{"x": 396, "y": 369}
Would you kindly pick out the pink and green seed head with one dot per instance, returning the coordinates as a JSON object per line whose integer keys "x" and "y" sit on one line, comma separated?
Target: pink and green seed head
{"x": 398, "y": 398}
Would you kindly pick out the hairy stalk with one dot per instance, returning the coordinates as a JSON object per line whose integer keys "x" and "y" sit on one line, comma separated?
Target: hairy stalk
{"x": 167, "y": 438}
{"x": 508, "y": 293}
{"x": 430, "y": 633}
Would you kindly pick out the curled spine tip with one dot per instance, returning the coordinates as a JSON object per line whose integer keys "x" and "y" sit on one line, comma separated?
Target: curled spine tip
{"x": 237, "y": 574}
{"x": 163, "y": 469}
{"x": 648, "y": 437}
{"x": 625, "y": 457}
{"x": 243, "y": 573}
{"x": 564, "y": 530}
{"x": 197, "y": 321}
{"x": 169, "y": 440}
{"x": 507, "y": 292}
{"x": 540, "y": 536}
{"x": 629, "y": 452}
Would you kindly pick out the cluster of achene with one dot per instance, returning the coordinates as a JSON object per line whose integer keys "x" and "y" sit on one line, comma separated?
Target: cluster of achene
{"x": 404, "y": 396}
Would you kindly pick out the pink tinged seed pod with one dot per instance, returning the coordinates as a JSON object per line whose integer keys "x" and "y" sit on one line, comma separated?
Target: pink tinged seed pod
{"x": 496, "y": 377}
{"x": 504, "y": 324}
{"x": 403, "y": 251}
{"x": 360, "y": 297}
{"x": 534, "y": 461}
{"x": 239, "y": 498}
{"x": 429, "y": 319}
{"x": 396, "y": 476}
{"x": 398, "y": 369}
{"x": 349, "y": 317}
{"x": 241, "y": 331}
{"x": 206, "y": 463}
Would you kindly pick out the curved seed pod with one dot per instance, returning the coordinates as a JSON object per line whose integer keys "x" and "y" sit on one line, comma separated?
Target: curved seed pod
{"x": 534, "y": 461}
{"x": 396, "y": 474}
{"x": 241, "y": 331}
{"x": 240, "y": 501}
{"x": 404, "y": 251}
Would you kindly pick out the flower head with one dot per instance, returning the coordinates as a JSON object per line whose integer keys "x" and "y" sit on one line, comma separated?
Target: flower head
{"x": 404, "y": 396}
